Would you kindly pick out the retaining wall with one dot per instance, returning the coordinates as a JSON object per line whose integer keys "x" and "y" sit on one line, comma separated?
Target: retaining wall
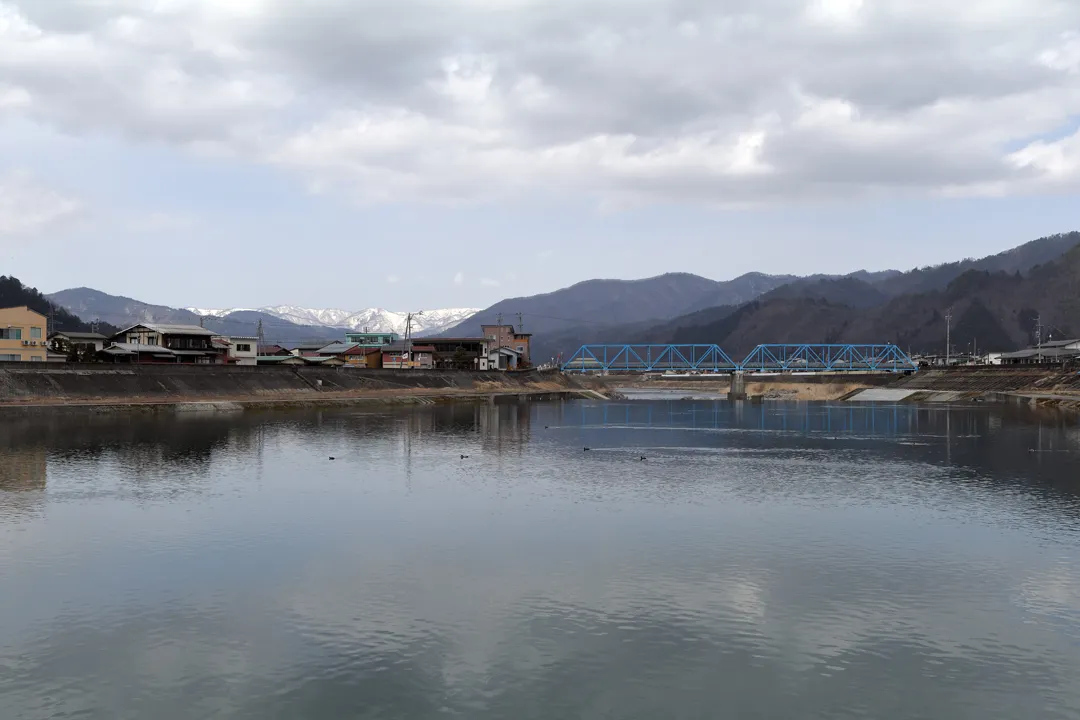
{"x": 24, "y": 383}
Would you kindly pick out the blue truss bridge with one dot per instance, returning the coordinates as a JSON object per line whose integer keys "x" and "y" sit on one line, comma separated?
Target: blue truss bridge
{"x": 763, "y": 358}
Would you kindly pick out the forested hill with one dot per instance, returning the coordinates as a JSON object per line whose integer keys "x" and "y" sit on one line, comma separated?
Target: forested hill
{"x": 14, "y": 294}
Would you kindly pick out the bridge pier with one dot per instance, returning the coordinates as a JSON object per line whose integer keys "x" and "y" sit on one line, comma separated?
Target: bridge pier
{"x": 737, "y": 391}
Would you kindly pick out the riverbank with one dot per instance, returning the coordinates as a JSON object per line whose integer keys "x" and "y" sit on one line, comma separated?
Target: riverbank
{"x": 163, "y": 388}
{"x": 1039, "y": 386}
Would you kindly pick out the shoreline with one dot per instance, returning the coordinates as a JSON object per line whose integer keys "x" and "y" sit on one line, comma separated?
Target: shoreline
{"x": 254, "y": 403}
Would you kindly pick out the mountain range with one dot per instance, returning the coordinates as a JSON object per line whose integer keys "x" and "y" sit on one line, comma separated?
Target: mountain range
{"x": 995, "y": 298}
{"x": 994, "y": 303}
{"x": 281, "y": 324}
{"x": 427, "y": 322}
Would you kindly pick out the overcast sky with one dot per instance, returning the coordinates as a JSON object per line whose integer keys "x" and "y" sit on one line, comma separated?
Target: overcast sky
{"x": 406, "y": 154}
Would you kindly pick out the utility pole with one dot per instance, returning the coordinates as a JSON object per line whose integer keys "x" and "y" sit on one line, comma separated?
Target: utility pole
{"x": 521, "y": 325}
{"x": 948, "y": 335}
{"x": 260, "y": 336}
{"x": 202, "y": 321}
{"x": 1038, "y": 335}
{"x": 51, "y": 325}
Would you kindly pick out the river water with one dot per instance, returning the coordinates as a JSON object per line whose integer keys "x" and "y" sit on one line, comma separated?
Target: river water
{"x": 763, "y": 561}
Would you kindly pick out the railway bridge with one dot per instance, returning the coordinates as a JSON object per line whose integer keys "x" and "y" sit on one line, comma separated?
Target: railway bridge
{"x": 791, "y": 358}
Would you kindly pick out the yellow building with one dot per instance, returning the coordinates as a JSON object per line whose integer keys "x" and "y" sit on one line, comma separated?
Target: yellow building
{"x": 22, "y": 335}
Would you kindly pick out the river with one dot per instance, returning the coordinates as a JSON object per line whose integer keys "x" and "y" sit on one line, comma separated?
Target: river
{"x": 699, "y": 560}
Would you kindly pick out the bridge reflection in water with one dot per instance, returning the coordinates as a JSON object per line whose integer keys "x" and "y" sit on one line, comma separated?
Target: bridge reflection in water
{"x": 828, "y": 418}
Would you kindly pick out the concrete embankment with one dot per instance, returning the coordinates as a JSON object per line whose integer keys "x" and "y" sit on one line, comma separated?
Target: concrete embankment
{"x": 1041, "y": 386}
{"x": 831, "y": 386}
{"x": 190, "y": 388}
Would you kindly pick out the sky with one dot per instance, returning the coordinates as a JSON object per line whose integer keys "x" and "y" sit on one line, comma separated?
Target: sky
{"x": 413, "y": 154}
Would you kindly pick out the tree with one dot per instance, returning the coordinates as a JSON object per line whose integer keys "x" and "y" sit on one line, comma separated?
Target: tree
{"x": 461, "y": 360}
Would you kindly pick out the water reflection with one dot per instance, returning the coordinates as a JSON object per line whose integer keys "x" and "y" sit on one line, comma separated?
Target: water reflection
{"x": 763, "y": 561}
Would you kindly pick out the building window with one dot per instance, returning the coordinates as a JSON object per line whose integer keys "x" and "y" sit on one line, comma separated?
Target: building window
{"x": 133, "y": 339}
{"x": 243, "y": 347}
{"x": 35, "y": 333}
{"x": 10, "y": 358}
{"x": 151, "y": 340}
{"x": 521, "y": 348}
{"x": 36, "y": 358}
{"x": 11, "y": 334}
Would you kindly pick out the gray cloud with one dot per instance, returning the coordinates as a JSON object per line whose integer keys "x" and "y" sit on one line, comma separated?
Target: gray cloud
{"x": 745, "y": 103}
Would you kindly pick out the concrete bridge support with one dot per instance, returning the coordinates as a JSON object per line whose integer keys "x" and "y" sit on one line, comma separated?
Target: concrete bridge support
{"x": 738, "y": 386}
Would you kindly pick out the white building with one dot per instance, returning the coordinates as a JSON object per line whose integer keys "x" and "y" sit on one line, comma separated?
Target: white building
{"x": 243, "y": 350}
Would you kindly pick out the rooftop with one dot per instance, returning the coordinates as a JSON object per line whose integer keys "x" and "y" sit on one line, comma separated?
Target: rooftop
{"x": 1049, "y": 353}
{"x": 167, "y": 329}
{"x": 79, "y": 335}
{"x": 132, "y": 348}
{"x": 336, "y": 348}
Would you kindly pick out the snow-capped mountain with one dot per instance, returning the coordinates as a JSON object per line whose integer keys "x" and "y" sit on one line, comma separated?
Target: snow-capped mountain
{"x": 430, "y": 322}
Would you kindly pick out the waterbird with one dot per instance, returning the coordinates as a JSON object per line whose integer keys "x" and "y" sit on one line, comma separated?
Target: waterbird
{"x": 643, "y": 458}
{"x": 331, "y": 457}
{"x": 464, "y": 457}
{"x": 586, "y": 449}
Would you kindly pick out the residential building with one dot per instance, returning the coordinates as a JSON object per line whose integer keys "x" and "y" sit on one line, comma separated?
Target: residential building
{"x": 460, "y": 353}
{"x": 122, "y": 352}
{"x": 371, "y": 339}
{"x": 77, "y": 345}
{"x": 308, "y": 348}
{"x": 395, "y": 357}
{"x": 506, "y": 336}
{"x": 185, "y": 343}
{"x": 1049, "y": 353}
{"x": 271, "y": 350}
{"x": 243, "y": 349}
{"x": 22, "y": 335}
{"x": 503, "y": 358}
{"x": 363, "y": 357}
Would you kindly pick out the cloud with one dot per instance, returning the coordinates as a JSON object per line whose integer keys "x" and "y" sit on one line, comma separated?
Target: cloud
{"x": 489, "y": 282}
{"x": 737, "y": 103}
{"x": 29, "y": 208}
{"x": 459, "y": 278}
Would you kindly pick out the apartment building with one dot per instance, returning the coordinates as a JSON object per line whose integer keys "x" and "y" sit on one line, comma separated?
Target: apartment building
{"x": 22, "y": 335}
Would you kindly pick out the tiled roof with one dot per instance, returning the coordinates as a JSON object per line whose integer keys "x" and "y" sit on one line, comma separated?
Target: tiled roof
{"x": 166, "y": 329}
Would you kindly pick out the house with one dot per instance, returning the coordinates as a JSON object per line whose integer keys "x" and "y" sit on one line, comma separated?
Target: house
{"x": 505, "y": 336}
{"x": 459, "y": 353}
{"x": 308, "y": 348}
{"x": 420, "y": 357}
{"x": 77, "y": 345}
{"x": 353, "y": 355}
{"x": 503, "y": 358}
{"x": 22, "y": 335}
{"x": 186, "y": 343}
{"x": 1056, "y": 354}
{"x": 137, "y": 353}
{"x": 363, "y": 357}
{"x": 272, "y": 350}
{"x": 241, "y": 349}
{"x": 372, "y": 339}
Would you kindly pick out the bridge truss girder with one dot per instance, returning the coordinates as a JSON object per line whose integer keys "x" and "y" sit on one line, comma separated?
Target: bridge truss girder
{"x": 823, "y": 357}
